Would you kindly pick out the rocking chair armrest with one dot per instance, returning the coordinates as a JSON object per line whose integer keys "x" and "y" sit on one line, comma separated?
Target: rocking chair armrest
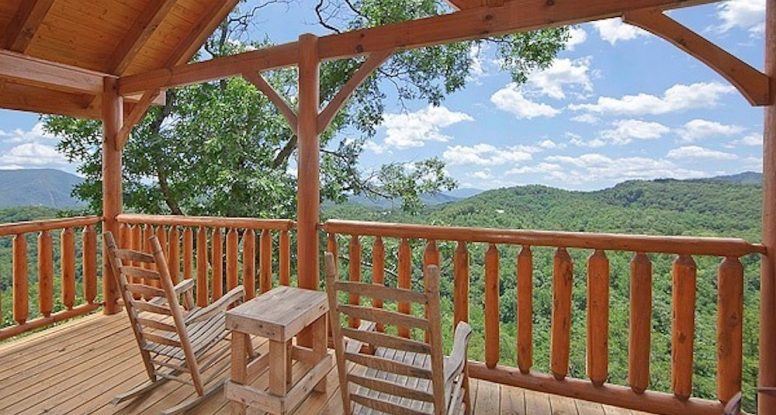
{"x": 234, "y": 296}
{"x": 184, "y": 286}
{"x": 354, "y": 346}
{"x": 456, "y": 362}
{"x": 768, "y": 390}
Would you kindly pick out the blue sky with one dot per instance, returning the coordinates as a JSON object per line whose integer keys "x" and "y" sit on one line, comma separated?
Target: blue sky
{"x": 619, "y": 104}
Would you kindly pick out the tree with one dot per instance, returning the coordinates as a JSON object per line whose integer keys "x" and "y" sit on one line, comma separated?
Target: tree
{"x": 221, "y": 148}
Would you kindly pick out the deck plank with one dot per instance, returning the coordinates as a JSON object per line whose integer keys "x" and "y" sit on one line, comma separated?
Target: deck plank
{"x": 78, "y": 366}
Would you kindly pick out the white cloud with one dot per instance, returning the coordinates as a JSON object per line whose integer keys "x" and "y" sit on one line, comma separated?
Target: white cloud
{"x": 485, "y": 155}
{"x": 32, "y": 155}
{"x": 482, "y": 175}
{"x": 755, "y": 139}
{"x": 594, "y": 167}
{"x": 586, "y": 118}
{"x": 551, "y": 145}
{"x": 614, "y": 30}
{"x": 35, "y": 134}
{"x": 374, "y": 147}
{"x": 678, "y": 97}
{"x": 413, "y": 129}
{"x": 562, "y": 73}
{"x": 625, "y": 131}
{"x": 697, "y": 152}
{"x": 742, "y": 14}
{"x": 698, "y": 129}
{"x": 510, "y": 99}
{"x": 577, "y": 36}
{"x": 536, "y": 169}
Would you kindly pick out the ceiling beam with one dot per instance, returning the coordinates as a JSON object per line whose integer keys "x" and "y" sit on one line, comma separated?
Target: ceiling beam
{"x": 476, "y": 23}
{"x": 141, "y": 30}
{"x": 21, "y": 30}
{"x": 56, "y": 76}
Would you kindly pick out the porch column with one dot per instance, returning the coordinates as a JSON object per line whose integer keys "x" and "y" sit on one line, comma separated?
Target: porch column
{"x": 112, "y": 118}
{"x": 308, "y": 178}
{"x": 767, "y": 403}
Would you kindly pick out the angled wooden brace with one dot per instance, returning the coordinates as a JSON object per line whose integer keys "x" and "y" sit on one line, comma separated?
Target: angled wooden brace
{"x": 470, "y": 4}
{"x": 135, "y": 116}
{"x": 332, "y": 108}
{"x": 282, "y": 105}
{"x": 753, "y": 84}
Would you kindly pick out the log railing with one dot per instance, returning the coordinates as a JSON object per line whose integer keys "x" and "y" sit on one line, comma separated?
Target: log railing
{"x": 33, "y": 247}
{"x": 218, "y": 253}
{"x": 636, "y": 394}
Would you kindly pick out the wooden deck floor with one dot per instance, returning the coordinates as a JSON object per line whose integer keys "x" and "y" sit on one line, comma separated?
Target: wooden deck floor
{"x": 76, "y": 368}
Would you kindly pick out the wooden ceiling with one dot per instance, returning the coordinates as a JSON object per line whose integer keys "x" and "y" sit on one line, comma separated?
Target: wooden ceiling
{"x": 103, "y": 37}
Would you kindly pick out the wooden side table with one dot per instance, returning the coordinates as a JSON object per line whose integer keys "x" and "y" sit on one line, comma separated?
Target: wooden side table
{"x": 278, "y": 316}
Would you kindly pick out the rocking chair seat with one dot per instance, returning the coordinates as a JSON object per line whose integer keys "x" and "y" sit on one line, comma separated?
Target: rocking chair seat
{"x": 421, "y": 385}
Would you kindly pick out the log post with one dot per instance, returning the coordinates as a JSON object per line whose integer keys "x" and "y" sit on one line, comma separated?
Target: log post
{"x": 308, "y": 163}
{"x": 767, "y": 374}
{"x": 112, "y": 116}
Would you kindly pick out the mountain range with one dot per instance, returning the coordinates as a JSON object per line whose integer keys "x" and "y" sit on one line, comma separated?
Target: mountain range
{"x": 38, "y": 187}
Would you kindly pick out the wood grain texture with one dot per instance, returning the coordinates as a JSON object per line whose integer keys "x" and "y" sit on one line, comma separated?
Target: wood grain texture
{"x": 560, "y": 340}
{"x": 683, "y": 294}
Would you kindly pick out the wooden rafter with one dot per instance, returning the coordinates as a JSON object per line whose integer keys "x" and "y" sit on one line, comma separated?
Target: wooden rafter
{"x": 475, "y": 23}
{"x": 21, "y": 30}
{"x": 141, "y": 30}
{"x": 332, "y": 108}
{"x": 280, "y": 103}
{"x": 753, "y": 84}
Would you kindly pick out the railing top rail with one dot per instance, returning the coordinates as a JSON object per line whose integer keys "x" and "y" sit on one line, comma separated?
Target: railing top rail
{"x": 47, "y": 225}
{"x": 207, "y": 221}
{"x": 725, "y": 247}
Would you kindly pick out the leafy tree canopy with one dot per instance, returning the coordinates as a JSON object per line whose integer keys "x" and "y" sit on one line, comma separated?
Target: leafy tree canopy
{"x": 221, "y": 148}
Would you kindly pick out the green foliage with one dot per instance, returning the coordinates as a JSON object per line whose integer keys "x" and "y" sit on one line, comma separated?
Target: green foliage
{"x": 662, "y": 207}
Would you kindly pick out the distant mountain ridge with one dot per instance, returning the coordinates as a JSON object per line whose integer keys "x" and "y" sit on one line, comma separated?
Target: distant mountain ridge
{"x": 38, "y": 187}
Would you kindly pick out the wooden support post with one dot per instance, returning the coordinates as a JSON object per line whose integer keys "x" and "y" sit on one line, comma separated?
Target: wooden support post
{"x": 767, "y": 377}
{"x": 308, "y": 178}
{"x": 112, "y": 116}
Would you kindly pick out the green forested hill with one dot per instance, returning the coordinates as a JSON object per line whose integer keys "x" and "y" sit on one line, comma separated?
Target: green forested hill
{"x": 710, "y": 207}
{"x": 38, "y": 187}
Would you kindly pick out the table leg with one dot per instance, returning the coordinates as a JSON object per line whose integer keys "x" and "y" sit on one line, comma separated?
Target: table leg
{"x": 278, "y": 368}
{"x": 240, "y": 341}
{"x": 289, "y": 363}
{"x": 320, "y": 347}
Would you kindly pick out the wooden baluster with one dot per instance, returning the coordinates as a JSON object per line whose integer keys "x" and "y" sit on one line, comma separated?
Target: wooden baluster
{"x": 136, "y": 239}
{"x": 89, "y": 260}
{"x": 265, "y": 250}
{"x": 492, "y": 323}
{"x": 461, "y": 276}
{"x": 525, "y": 310}
{"x": 639, "y": 340}
{"x": 21, "y": 307}
{"x": 188, "y": 253}
{"x": 730, "y": 315}
{"x": 285, "y": 259}
{"x": 598, "y": 317}
{"x": 148, "y": 231}
{"x": 683, "y": 325}
{"x": 430, "y": 257}
{"x": 161, "y": 235}
{"x": 45, "y": 273}
{"x": 173, "y": 256}
{"x": 354, "y": 274}
{"x": 68, "y": 267}
{"x": 125, "y": 235}
{"x": 405, "y": 279}
{"x": 562, "y": 280}
{"x": 232, "y": 252}
{"x": 249, "y": 263}
{"x": 202, "y": 291}
{"x": 378, "y": 273}
{"x": 331, "y": 246}
{"x": 217, "y": 263}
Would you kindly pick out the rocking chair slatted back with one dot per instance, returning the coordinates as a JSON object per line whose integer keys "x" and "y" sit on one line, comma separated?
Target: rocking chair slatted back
{"x": 400, "y": 375}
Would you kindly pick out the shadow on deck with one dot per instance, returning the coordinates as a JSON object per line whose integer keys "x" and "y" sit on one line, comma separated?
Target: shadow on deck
{"x": 77, "y": 367}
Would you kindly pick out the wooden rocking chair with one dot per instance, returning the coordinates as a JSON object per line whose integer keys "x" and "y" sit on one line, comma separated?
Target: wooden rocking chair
{"x": 399, "y": 376}
{"x": 173, "y": 341}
